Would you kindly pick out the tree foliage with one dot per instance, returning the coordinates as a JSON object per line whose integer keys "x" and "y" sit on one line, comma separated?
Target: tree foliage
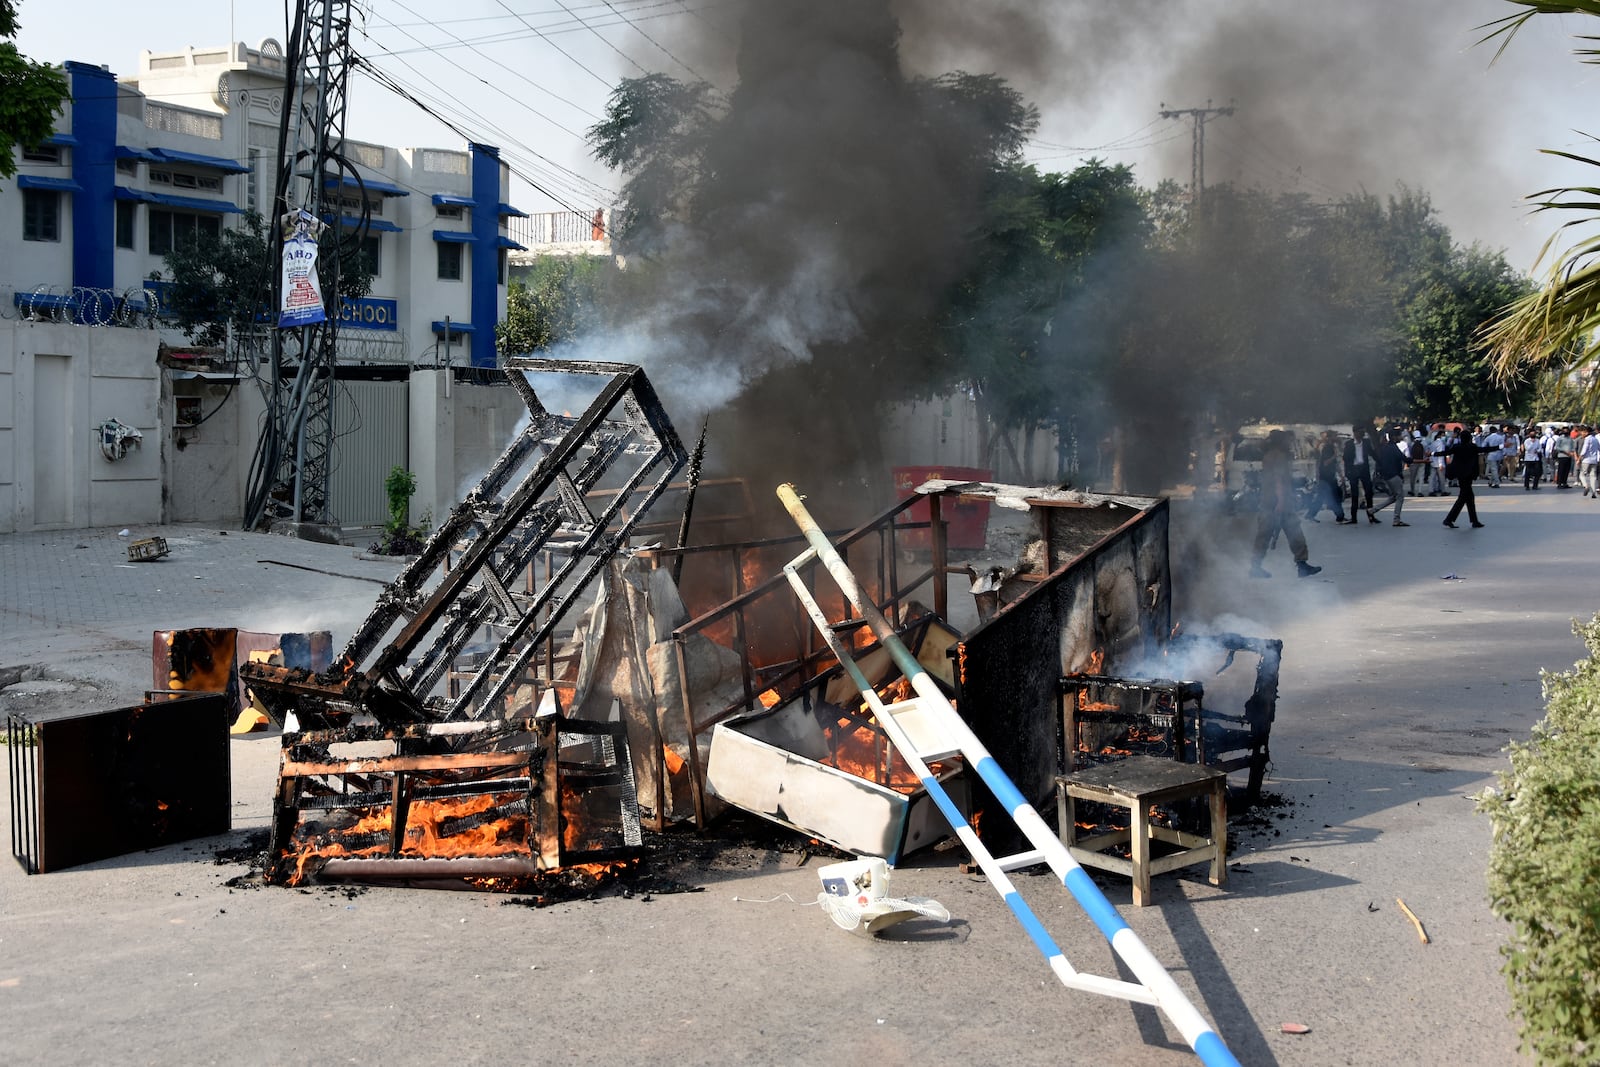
{"x": 655, "y": 132}
{"x": 560, "y": 299}
{"x": 1558, "y": 325}
{"x": 1544, "y": 867}
{"x": 1079, "y": 301}
{"x": 32, "y": 95}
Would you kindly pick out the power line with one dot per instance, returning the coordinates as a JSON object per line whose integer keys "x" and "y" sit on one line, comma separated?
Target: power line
{"x": 1118, "y": 142}
{"x": 521, "y": 103}
{"x": 388, "y": 82}
{"x": 604, "y": 40}
{"x": 571, "y": 181}
{"x": 662, "y": 48}
{"x": 541, "y": 35}
{"x": 1136, "y": 147}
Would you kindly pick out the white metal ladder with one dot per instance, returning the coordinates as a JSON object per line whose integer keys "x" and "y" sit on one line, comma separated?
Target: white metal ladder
{"x": 925, "y": 728}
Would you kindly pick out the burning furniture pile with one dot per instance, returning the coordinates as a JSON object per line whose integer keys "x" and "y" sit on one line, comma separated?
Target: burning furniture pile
{"x": 534, "y": 688}
{"x": 435, "y": 749}
{"x": 1073, "y": 658}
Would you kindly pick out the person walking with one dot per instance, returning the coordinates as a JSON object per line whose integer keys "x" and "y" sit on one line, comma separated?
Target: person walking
{"x": 1491, "y": 460}
{"x": 1562, "y": 446}
{"x": 1437, "y": 445}
{"x": 1417, "y": 468}
{"x": 1390, "y": 460}
{"x": 1463, "y": 461}
{"x": 1512, "y": 452}
{"x": 1589, "y": 462}
{"x": 1532, "y": 461}
{"x": 1358, "y": 470}
{"x": 1329, "y": 495}
{"x": 1278, "y": 509}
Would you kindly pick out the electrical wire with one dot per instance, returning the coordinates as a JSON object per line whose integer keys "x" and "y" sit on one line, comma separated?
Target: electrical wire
{"x": 541, "y": 35}
{"x": 659, "y": 46}
{"x": 1126, "y": 148}
{"x": 515, "y": 73}
{"x": 1119, "y": 142}
{"x": 386, "y": 80}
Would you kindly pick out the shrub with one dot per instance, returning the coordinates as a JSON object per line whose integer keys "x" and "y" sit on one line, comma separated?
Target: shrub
{"x": 1544, "y": 866}
{"x": 400, "y": 538}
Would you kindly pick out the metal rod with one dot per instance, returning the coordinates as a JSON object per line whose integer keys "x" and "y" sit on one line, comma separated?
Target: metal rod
{"x": 1153, "y": 977}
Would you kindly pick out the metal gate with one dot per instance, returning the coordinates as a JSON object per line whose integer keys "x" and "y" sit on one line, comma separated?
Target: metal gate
{"x": 372, "y": 428}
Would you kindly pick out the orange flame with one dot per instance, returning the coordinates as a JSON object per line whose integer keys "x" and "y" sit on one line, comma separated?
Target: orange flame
{"x": 427, "y": 833}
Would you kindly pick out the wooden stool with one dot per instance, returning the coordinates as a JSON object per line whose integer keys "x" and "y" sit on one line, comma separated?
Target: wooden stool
{"x": 1136, "y": 783}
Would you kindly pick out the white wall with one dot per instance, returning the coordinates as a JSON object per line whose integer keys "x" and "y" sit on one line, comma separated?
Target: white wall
{"x": 458, "y": 430}
{"x": 953, "y": 431}
{"x": 59, "y": 384}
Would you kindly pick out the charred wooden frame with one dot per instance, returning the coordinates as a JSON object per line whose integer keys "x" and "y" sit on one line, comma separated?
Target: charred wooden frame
{"x": 1166, "y": 717}
{"x": 779, "y": 650}
{"x": 465, "y": 802}
{"x": 1104, "y": 583}
{"x": 476, "y": 571}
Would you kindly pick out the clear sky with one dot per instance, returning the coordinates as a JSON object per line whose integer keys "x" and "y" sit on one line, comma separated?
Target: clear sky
{"x": 1329, "y": 98}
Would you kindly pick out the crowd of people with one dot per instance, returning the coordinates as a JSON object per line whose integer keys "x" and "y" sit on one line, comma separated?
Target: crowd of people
{"x": 1400, "y": 461}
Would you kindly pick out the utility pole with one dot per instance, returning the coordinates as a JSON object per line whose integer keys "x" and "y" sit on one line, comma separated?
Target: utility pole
{"x": 290, "y": 474}
{"x": 1197, "y": 165}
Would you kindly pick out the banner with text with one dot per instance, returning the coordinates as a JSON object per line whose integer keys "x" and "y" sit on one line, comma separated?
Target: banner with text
{"x": 302, "y": 292}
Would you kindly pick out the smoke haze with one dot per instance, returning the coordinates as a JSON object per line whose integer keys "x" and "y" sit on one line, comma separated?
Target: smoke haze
{"x": 835, "y": 214}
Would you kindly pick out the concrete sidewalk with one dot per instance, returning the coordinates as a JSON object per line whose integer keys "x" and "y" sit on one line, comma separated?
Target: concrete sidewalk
{"x": 72, "y": 602}
{"x": 1400, "y": 687}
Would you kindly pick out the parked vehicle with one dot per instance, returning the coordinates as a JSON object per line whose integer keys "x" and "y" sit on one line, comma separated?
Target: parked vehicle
{"x": 1242, "y": 467}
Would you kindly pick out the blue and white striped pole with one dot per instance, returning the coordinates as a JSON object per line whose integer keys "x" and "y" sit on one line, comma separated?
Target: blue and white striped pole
{"x": 1155, "y": 985}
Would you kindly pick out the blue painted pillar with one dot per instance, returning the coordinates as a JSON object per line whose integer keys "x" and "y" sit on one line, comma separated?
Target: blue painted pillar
{"x": 485, "y": 252}
{"x": 94, "y": 212}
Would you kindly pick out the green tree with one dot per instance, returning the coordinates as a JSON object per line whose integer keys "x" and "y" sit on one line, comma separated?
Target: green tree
{"x": 559, "y": 299}
{"x": 1440, "y": 369}
{"x": 655, "y": 132}
{"x": 31, "y": 95}
{"x": 1555, "y": 326}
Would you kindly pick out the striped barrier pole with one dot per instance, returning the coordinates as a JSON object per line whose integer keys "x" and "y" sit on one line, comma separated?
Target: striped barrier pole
{"x": 1155, "y": 985}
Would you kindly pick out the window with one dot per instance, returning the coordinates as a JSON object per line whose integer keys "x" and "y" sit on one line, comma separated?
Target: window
{"x": 45, "y": 153}
{"x": 449, "y": 261}
{"x": 449, "y": 211}
{"x": 372, "y": 248}
{"x": 501, "y": 266}
{"x": 353, "y": 206}
{"x": 183, "y": 180}
{"x": 130, "y": 167}
{"x": 172, "y": 229}
{"x": 124, "y": 224}
{"x": 41, "y": 215}
{"x": 252, "y": 182}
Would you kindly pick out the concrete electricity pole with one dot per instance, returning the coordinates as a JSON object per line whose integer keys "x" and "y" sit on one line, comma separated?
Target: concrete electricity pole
{"x": 1197, "y": 166}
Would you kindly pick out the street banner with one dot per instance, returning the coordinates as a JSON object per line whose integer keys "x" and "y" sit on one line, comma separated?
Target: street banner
{"x": 302, "y": 292}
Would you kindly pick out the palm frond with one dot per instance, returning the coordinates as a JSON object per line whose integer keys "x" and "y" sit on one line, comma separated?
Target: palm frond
{"x": 1506, "y": 27}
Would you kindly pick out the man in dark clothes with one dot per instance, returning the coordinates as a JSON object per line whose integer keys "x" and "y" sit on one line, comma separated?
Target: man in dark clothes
{"x": 1462, "y": 461}
{"x": 1329, "y": 495}
{"x": 1278, "y": 508}
{"x": 1391, "y": 463}
{"x": 1358, "y": 470}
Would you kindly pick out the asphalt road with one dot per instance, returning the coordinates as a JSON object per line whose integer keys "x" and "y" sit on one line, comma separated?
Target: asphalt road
{"x": 1400, "y": 688}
